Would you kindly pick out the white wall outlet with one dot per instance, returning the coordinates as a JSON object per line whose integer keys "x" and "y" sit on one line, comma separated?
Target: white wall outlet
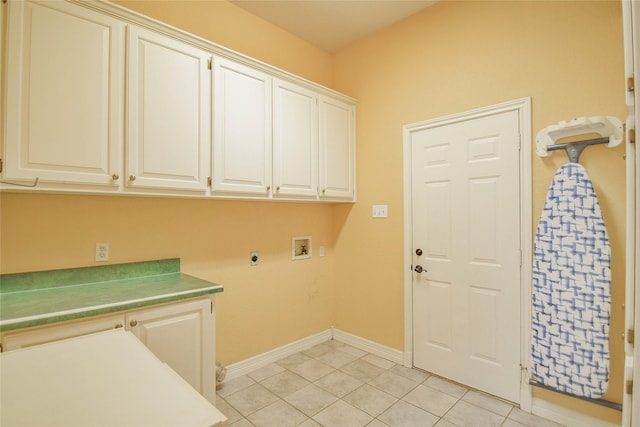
{"x": 254, "y": 258}
{"x": 102, "y": 252}
{"x": 379, "y": 211}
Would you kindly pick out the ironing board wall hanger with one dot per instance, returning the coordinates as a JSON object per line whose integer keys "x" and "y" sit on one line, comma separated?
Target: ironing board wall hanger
{"x": 608, "y": 127}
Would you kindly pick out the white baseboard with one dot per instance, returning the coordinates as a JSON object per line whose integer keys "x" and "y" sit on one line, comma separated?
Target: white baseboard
{"x": 245, "y": 366}
{"x": 379, "y": 350}
{"x": 566, "y": 416}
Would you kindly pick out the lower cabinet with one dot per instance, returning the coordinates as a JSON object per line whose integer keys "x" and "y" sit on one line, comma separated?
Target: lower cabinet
{"x": 180, "y": 334}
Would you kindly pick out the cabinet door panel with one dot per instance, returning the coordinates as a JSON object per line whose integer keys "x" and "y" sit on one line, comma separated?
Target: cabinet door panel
{"x": 337, "y": 149}
{"x": 181, "y": 336}
{"x": 242, "y": 128}
{"x": 64, "y": 94}
{"x": 168, "y": 113}
{"x": 295, "y": 145}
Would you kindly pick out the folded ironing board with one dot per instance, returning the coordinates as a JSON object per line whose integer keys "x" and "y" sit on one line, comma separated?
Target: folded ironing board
{"x": 571, "y": 288}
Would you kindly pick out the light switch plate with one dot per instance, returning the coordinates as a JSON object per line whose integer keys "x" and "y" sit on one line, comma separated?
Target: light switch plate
{"x": 379, "y": 211}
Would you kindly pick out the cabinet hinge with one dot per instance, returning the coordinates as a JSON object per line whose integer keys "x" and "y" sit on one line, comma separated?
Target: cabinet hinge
{"x": 632, "y": 136}
{"x": 630, "y": 336}
{"x": 1, "y": 164}
{"x": 631, "y": 85}
{"x": 209, "y": 181}
{"x": 209, "y": 62}
{"x": 211, "y": 302}
{"x": 628, "y": 387}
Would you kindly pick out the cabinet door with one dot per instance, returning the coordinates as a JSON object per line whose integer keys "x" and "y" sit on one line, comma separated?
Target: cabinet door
{"x": 14, "y": 340}
{"x": 337, "y": 149}
{"x": 64, "y": 94}
{"x": 168, "y": 102}
{"x": 182, "y": 336}
{"x": 295, "y": 143}
{"x": 242, "y": 129}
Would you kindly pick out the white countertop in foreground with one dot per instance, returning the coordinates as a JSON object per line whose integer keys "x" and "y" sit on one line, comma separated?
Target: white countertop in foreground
{"x": 104, "y": 379}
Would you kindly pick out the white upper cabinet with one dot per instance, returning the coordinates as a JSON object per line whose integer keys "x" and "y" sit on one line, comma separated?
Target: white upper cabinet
{"x": 242, "y": 129}
{"x": 168, "y": 112}
{"x": 64, "y": 94}
{"x": 295, "y": 140}
{"x": 99, "y": 99}
{"x": 337, "y": 149}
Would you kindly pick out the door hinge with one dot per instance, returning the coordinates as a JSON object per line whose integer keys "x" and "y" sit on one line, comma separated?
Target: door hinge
{"x": 628, "y": 387}
{"x": 630, "y": 336}
{"x": 632, "y": 136}
{"x": 1, "y": 165}
{"x": 211, "y": 302}
{"x": 631, "y": 84}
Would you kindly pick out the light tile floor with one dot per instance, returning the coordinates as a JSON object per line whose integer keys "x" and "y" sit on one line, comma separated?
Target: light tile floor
{"x": 334, "y": 384}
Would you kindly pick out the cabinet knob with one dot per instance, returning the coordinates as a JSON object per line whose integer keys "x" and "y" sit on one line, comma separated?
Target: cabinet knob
{"x": 277, "y": 188}
{"x": 119, "y": 325}
{"x": 133, "y": 323}
{"x": 132, "y": 177}
{"x": 115, "y": 177}
{"x": 324, "y": 190}
{"x": 268, "y": 187}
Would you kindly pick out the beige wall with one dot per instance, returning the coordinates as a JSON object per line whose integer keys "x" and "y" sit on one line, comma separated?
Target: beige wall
{"x": 233, "y": 28}
{"x": 452, "y": 57}
{"x": 456, "y": 56}
{"x": 262, "y": 307}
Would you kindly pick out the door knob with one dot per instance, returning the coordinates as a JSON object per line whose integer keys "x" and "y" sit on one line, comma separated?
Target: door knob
{"x": 419, "y": 269}
{"x": 418, "y": 251}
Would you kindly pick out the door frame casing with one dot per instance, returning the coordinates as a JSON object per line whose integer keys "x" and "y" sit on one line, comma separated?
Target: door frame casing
{"x": 523, "y": 107}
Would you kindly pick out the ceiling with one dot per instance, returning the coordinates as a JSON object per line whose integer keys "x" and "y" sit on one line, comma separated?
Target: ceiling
{"x": 332, "y": 24}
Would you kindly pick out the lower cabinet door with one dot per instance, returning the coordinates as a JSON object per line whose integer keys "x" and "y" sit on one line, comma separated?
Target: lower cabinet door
{"x": 182, "y": 336}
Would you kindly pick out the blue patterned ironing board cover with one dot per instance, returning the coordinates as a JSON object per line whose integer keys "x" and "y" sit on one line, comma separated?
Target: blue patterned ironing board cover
{"x": 571, "y": 288}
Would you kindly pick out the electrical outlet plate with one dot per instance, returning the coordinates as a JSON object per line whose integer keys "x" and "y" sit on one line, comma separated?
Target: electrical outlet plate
{"x": 102, "y": 252}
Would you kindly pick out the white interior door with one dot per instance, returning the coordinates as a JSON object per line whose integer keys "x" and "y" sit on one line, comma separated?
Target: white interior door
{"x": 466, "y": 237}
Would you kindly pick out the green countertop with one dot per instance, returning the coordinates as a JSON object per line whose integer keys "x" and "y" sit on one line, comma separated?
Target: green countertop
{"x": 38, "y": 298}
